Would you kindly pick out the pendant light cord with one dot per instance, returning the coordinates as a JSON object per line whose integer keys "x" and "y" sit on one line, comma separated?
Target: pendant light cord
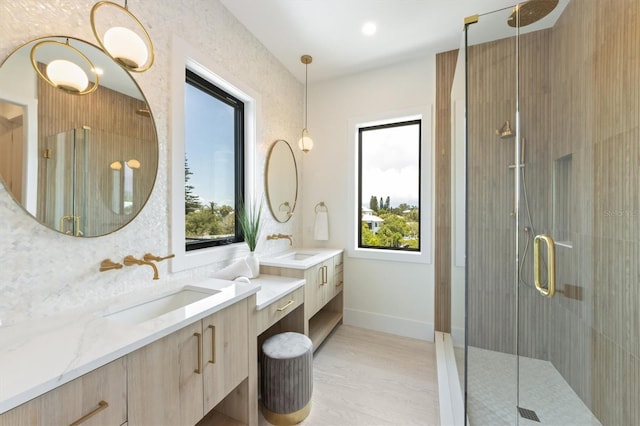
{"x": 306, "y": 96}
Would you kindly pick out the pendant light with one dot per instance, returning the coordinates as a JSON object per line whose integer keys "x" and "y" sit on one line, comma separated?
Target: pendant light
{"x": 122, "y": 44}
{"x": 305, "y": 143}
{"x": 65, "y": 74}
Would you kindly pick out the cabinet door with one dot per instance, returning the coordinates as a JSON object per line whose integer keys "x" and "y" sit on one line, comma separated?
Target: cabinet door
{"x": 99, "y": 397}
{"x": 318, "y": 287}
{"x": 225, "y": 352}
{"x": 164, "y": 386}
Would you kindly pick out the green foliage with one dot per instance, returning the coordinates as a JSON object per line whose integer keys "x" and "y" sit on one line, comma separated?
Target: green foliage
{"x": 373, "y": 203}
{"x": 191, "y": 201}
{"x": 210, "y": 222}
{"x": 249, "y": 220}
{"x": 368, "y": 237}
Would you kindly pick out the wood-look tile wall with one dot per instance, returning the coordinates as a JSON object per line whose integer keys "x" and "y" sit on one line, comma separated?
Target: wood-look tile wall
{"x": 445, "y": 71}
{"x": 580, "y": 96}
{"x": 117, "y": 133}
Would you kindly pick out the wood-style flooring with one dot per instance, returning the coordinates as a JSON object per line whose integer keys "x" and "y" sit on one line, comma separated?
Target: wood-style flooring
{"x": 368, "y": 378}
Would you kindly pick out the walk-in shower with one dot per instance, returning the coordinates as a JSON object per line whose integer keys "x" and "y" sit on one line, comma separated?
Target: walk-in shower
{"x": 546, "y": 154}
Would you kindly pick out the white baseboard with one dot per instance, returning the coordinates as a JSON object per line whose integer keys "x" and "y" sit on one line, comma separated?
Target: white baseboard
{"x": 390, "y": 324}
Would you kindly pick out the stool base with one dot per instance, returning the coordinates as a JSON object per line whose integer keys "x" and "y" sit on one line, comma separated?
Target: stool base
{"x": 287, "y": 419}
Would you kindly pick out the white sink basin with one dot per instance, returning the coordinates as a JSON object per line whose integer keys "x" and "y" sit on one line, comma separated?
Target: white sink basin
{"x": 154, "y": 308}
{"x": 297, "y": 256}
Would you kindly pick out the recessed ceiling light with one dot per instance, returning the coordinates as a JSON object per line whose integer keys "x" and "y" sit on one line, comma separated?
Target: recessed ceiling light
{"x": 369, "y": 28}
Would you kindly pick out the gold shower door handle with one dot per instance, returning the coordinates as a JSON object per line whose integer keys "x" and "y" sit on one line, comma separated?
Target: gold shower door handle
{"x": 550, "y": 290}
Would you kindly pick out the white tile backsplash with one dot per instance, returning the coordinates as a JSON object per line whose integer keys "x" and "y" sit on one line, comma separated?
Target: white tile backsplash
{"x": 43, "y": 272}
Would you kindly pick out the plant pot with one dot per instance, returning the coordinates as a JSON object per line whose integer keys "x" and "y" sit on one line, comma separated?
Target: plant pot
{"x": 254, "y": 264}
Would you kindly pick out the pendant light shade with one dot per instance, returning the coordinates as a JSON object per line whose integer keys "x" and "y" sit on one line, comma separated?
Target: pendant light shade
{"x": 126, "y": 47}
{"x": 65, "y": 74}
{"x": 305, "y": 143}
{"x": 123, "y": 44}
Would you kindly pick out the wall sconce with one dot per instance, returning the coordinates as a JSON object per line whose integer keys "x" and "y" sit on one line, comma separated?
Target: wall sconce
{"x": 122, "y": 44}
{"x": 64, "y": 74}
{"x": 305, "y": 143}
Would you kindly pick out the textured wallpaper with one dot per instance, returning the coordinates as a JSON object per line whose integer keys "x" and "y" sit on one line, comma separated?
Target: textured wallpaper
{"x": 43, "y": 272}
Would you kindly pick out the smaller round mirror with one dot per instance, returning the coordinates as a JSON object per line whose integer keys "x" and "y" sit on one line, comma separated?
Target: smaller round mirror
{"x": 282, "y": 181}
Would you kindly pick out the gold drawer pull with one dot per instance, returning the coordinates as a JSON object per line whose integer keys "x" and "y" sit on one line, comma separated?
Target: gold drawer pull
{"x": 199, "y": 340}
{"x": 213, "y": 344}
{"x": 102, "y": 405}
{"x": 289, "y": 303}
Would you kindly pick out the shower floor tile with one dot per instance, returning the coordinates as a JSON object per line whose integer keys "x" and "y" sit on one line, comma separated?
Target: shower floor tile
{"x": 492, "y": 391}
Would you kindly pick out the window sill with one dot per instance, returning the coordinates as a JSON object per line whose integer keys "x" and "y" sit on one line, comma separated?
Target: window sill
{"x": 389, "y": 255}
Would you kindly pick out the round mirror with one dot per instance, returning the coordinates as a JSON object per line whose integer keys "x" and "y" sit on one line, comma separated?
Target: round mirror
{"x": 81, "y": 164}
{"x": 282, "y": 181}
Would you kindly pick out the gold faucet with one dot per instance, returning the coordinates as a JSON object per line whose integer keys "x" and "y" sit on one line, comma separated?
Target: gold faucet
{"x": 130, "y": 260}
{"x": 108, "y": 264}
{"x": 150, "y": 257}
{"x": 281, "y": 236}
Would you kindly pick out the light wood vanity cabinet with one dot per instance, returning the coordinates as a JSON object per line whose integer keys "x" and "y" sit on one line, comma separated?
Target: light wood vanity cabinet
{"x": 323, "y": 295}
{"x": 180, "y": 378}
{"x": 97, "y": 398}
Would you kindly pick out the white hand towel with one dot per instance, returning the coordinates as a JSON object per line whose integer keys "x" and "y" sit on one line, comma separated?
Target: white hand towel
{"x": 321, "y": 232}
{"x": 237, "y": 269}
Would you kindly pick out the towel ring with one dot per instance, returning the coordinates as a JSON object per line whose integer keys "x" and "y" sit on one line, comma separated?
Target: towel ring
{"x": 321, "y": 206}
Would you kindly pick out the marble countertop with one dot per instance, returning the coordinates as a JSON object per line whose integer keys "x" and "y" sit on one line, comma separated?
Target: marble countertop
{"x": 300, "y": 258}
{"x": 40, "y": 355}
{"x": 273, "y": 287}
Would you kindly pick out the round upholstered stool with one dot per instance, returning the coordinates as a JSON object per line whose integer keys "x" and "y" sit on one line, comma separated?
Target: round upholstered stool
{"x": 287, "y": 378}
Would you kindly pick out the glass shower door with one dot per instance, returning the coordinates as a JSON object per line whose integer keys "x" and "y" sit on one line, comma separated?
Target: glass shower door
{"x": 553, "y": 222}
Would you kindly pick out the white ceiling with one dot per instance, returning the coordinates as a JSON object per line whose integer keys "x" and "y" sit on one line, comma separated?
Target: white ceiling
{"x": 329, "y": 30}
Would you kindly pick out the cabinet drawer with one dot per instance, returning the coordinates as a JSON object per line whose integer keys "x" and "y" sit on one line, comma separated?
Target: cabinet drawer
{"x": 98, "y": 397}
{"x": 279, "y": 309}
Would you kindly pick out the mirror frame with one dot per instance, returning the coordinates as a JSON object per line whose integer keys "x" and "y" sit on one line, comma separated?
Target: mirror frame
{"x": 276, "y": 211}
{"x": 31, "y": 127}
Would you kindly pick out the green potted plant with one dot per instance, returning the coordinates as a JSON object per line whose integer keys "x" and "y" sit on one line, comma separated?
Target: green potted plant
{"x": 249, "y": 220}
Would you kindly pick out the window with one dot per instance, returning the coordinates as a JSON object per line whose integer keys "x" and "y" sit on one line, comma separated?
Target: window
{"x": 389, "y": 186}
{"x": 214, "y": 159}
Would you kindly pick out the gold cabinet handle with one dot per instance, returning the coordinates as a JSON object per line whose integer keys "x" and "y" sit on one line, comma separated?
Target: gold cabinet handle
{"x": 102, "y": 405}
{"x": 213, "y": 344}
{"x": 550, "y": 290}
{"x": 199, "y": 340}
{"x": 321, "y": 271}
{"x": 289, "y": 303}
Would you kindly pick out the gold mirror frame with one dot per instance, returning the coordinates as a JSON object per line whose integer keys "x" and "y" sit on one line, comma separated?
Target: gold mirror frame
{"x": 281, "y": 181}
{"x": 33, "y": 103}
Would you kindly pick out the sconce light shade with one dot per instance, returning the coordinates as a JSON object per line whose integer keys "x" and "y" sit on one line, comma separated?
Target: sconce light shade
{"x": 126, "y": 47}
{"x": 133, "y": 164}
{"x": 67, "y": 76}
{"x": 305, "y": 143}
{"x": 123, "y": 44}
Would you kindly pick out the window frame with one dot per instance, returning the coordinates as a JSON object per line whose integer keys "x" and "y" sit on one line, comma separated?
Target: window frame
{"x": 223, "y": 96}
{"x": 388, "y": 125}
{"x": 427, "y": 222}
{"x": 183, "y": 56}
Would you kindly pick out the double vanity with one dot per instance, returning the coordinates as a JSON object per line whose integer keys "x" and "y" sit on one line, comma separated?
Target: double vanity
{"x": 184, "y": 354}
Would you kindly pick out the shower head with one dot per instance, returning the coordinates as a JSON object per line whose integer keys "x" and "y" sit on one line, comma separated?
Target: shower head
{"x": 505, "y": 131}
{"x": 530, "y": 12}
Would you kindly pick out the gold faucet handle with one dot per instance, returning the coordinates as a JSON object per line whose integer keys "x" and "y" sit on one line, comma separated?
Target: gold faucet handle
{"x": 130, "y": 260}
{"x": 152, "y": 258}
{"x": 108, "y": 264}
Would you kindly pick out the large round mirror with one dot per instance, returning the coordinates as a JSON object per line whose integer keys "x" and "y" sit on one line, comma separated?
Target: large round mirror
{"x": 83, "y": 165}
{"x": 281, "y": 181}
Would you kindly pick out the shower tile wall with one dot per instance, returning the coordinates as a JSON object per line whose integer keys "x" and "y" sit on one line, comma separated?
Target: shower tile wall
{"x": 580, "y": 95}
{"x": 491, "y": 291}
